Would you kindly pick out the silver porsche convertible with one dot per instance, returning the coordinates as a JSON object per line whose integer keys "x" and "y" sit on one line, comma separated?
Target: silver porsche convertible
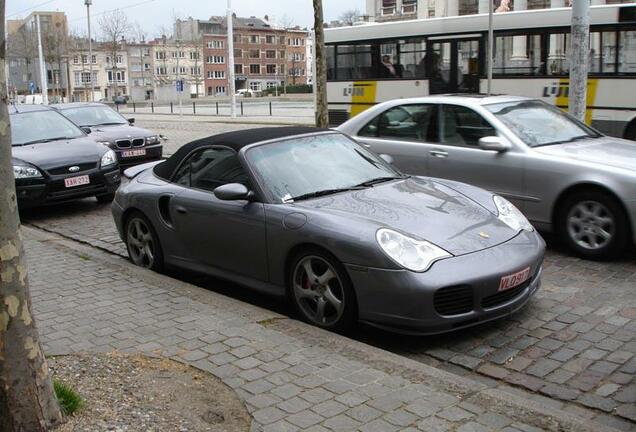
{"x": 313, "y": 215}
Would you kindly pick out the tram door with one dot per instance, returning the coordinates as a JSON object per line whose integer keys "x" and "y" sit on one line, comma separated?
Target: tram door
{"x": 453, "y": 66}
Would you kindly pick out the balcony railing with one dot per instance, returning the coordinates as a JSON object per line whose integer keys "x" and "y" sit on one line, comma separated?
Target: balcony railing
{"x": 388, "y": 10}
{"x": 409, "y": 8}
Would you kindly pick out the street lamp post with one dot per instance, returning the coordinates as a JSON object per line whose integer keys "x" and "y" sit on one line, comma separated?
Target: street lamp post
{"x": 490, "y": 46}
{"x": 88, "y": 4}
{"x": 230, "y": 58}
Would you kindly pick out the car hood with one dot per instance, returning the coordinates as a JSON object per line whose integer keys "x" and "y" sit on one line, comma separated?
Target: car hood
{"x": 424, "y": 209}
{"x": 60, "y": 153}
{"x": 614, "y": 152}
{"x": 117, "y": 132}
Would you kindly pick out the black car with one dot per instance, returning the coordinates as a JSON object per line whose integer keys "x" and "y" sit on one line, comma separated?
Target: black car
{"x": 133, "y": 145}
{"x": 55, "y": 161}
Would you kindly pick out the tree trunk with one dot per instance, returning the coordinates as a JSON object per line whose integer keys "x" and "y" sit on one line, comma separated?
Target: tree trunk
{"x": 322, "y": 114}
{"x": 27, "y": 400}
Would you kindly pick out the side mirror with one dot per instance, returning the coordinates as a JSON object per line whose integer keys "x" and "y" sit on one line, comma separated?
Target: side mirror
{"x": 233, "y": 192}
{"x": 494, "y": 143}
{"x": 131, "y": 121}
{"x": 387, "y": 158}
{"x": 86, "y": 130}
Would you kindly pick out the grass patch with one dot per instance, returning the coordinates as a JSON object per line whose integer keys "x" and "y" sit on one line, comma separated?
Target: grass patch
{"x": 70, "y": 401}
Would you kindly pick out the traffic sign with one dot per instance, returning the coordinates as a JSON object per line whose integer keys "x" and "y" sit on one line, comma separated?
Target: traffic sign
{"x": 180, "y": 86}
{"x": 32, "y": 87}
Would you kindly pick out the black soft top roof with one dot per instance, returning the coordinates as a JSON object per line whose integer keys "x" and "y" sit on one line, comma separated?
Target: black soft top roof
{"x": 235, "y": 140}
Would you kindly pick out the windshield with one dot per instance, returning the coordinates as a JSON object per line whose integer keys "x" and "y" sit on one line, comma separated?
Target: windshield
{"x": 94, "y": 116}
{"x": 538, "y": 123}
{"x": 41, "y": 126}
{"x": 303, "y": 166}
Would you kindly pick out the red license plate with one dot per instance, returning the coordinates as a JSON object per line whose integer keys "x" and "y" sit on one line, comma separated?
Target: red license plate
{"x": 514, "y": 279}
{"x": 133, "y": 153}
{"x": 77, "y": 181}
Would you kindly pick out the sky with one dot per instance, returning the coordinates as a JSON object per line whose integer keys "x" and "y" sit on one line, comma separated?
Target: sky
{"x": 153, "y": 14}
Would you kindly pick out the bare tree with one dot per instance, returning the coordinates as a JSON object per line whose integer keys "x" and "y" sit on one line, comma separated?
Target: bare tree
{"x": 198, "y": 45}
{"x": 22, "y": 48}
{"x": 27, "y": 400}
{"x": 138, "y": 33}
{"x": 350, "y": 16}
{"x": 322, "y": 115}
{"x": 286, "y": 23}
{"x": 115, "y": 28}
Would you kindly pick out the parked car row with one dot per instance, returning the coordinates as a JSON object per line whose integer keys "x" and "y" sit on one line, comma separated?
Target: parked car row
{"x": 417, "y": 215}
{"x": 73, "y": 151}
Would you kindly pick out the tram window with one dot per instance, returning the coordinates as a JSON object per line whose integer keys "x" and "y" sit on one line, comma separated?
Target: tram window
{"x": 388, "y": 65}
{"x": 627, "y": 52}
{"x": 602, "y": 52}
{"x": 558, "y": 54}
{"x": 413, "y": 58}
{"x": 517, "y": 55}
{"x": 331, "y": 62}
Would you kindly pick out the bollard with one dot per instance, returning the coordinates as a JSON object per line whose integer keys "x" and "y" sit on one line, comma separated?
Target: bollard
{"x": 134, "y": 108}
{"x": 152, "y": 107}
{"x": 117, "y": 106}
{"x": 171, "y": 110}
{"x": 217, "y": 108}
{"x": 194, "y": 107}
{"x": 270, "y": 108}
{"x": 241, "y": 107}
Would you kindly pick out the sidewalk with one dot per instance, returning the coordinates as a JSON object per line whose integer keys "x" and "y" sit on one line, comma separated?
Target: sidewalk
{"x": 291, "y": 376}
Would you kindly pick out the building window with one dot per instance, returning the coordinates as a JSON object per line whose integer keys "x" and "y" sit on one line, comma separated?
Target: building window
{"x": 271, "y": 84}
{"x": 238, "y": 53}
{"x": 146, "y": 52}
{"x": 254, "y": 53}
{"x": 160, "y": 55}
{"x": 270, "y": 54}
{"x": 162, "y": 70}
{"x": 281, "y": 69}
{"x": 269, "y": 39}
{"x": 75, "y": 59}
{"x": 194, "y": 55}
{"x": 238, "y": 68}
{"x": 255, "y": 69}
{"x": 84, "y": 78}
{"x": 85, "y": 59}
{"x": 271, "y": 69}
{"x": 219, "y": 74}
{"x": 210, "y": 91}
{"x": 296, "y": 41}
{"x": 216, "y": 44}
{"x": 281, "y": 54}
{"x": 281, "y": 40}
{"x": 119, "y": 76}
{"x": 254, "y": 39}
{"x": 94, "y": 59}
{"x": 219, "y": 90}
{"x": 120, "y": 59}
{"x": 297, "y": 56}
{"x": 146, "y": 66}
{"x": 216, "y": 59}
{"x": 255, "y": 86}
{"x": 195, "y": 70}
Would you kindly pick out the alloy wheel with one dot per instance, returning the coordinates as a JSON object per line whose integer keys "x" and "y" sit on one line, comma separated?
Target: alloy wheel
{"x": 141, "y": 243}
{"x": 318, "y": 291}
{"x": 590, "y": 225}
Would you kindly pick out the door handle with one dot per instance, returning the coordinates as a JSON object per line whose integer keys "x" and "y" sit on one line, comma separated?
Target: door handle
{"x": 181, "y": 209}
{"x": 438, "y": 153}
{"x": 366, "y": 145}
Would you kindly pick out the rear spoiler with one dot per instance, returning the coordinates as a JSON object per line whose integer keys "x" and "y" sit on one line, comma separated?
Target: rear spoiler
{"x": 133, "y": 172}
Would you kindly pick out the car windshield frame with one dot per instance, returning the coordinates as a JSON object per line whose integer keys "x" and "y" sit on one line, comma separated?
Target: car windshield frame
{"x": 257, "y": 175}
{"x": 116, "y": 116}
{"x": 584, "y": 131}
{"x": 70, "y": 131}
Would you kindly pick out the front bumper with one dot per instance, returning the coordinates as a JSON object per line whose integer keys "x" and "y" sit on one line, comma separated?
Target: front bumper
{"x": 422, "y": 303}
{"x": 153, "y": 153}
{"x": 51, "y": 189}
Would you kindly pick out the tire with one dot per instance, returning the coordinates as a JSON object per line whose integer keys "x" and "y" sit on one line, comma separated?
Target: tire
{"x": 335, "y": 295}
{"x": 630, "y": 132}
{"x": 105, "y": 199}
{"x": 142, "y": 243}
{"x": 593, "y": 225}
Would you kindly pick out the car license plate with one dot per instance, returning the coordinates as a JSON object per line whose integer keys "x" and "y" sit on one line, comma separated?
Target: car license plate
{"x": 77, "y": 181}
{"x": 514, "y": 279}
{"x": 133, "y": 153}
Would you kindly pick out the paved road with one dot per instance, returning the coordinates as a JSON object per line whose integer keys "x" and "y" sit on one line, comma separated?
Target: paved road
{"x": 573, "y": 346}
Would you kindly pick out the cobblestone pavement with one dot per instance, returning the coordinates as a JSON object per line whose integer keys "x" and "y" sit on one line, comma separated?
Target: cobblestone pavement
{"x": 291, "y": 379}
{"x": 573, "y": 345}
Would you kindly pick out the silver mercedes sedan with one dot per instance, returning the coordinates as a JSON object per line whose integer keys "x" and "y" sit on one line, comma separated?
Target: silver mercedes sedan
{"x": 565, "y": 176}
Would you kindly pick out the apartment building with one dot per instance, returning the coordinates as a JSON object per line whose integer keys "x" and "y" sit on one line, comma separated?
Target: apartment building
{"x": 22, "y": 54}
{"x": 391, "y": 10}
{"x": 173, "y": 60}
{"x": 140, "y": 71}
{"x": 109, "y": 68}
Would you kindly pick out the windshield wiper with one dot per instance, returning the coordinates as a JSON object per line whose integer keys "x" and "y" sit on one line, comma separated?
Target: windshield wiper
{"x": 109, "y": 124}
{"x": 377, "y": 180}
{"x": 45, "y": 140}
{"x": 323, "y": 193}
{"x": 576, "y": 138}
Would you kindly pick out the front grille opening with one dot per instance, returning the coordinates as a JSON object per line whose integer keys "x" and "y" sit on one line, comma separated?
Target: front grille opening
{"x": 504, "y": 296}
{"x": 124, "y": 143}
{"x": 453, "y": 300}
{"x": 138, "y": 142}
{"x": 64, "y": 170}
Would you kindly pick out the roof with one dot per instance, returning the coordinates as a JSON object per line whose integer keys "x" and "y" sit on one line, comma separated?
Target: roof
{"x": 22, "y": 108}
{"x": 465, "y": 98}
{"x": 71, "y": 105}
{"x": 235, "y": 140}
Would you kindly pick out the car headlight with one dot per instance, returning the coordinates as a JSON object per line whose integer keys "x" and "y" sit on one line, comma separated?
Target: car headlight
{"x": 109, "y": 158}
{"x": 154, "y": 139}
{"x": 412, "y": 254}
{"x": 510, "y": 215}
{"x": 23, "y": 171}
